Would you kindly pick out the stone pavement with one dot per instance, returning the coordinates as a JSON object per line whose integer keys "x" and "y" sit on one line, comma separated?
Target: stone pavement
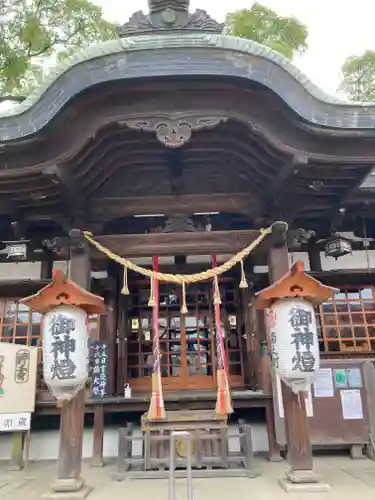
{"x": 348, "y": 479}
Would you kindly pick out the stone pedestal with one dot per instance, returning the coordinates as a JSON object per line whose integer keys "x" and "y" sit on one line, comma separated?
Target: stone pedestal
{"x": 303, "y": 481}
{"x": 64, "y": 489}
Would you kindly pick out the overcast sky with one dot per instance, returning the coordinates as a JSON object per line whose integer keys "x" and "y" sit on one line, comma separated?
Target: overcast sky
{"x": 337, "y": 28}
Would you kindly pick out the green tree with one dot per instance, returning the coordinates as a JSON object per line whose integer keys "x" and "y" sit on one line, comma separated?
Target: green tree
{"x": 286, "y": 35}
{"x": 358, "y": 77}
{"x": 31, "y": 31}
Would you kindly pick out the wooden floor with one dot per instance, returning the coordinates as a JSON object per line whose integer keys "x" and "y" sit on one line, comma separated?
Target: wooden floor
{"x": 173, "y": 401}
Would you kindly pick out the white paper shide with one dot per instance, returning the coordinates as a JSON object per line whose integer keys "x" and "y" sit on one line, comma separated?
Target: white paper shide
{"x": 65, "y": 351}
{"x": 294, "y": 342}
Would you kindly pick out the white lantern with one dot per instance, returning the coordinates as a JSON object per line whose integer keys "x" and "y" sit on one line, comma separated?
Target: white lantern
{"x": 294, "y": 342}
{"x": 65, "y": 350}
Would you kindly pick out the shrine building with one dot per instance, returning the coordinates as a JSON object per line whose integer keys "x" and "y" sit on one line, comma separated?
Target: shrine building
{"x": 179, "y": 142}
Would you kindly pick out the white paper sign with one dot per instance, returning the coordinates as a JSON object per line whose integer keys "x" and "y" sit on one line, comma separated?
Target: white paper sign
{"x": 323, "y": 385}
{"x": 351, "y": 404}
{"x": 309, "y": 403}
{"x": 10, "y": 422}
{"x": 18, "y": 370}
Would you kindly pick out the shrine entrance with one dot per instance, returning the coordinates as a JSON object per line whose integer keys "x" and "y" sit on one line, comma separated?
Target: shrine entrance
{"x": 187, "y": 341}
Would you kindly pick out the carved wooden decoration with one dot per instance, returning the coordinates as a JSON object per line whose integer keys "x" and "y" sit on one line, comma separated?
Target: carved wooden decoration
{"x": 296, "y": 283}
{"x": 179, "y": 223}
{"x": 175, "y": 131}
{"x": 169, "y": 15}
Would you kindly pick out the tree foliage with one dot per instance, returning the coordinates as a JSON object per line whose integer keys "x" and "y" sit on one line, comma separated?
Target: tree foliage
{"x": 358, "y": 77}
{"x": 33, "y": 30}
{"x": 286, "y": 35}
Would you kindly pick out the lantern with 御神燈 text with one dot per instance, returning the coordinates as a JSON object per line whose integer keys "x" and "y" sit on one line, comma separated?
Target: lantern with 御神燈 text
{"x": 65, "y": 350}
{"x": 294, "y": 342}
{"x": 291, "y": 303}
{"x": 65, "y": 333}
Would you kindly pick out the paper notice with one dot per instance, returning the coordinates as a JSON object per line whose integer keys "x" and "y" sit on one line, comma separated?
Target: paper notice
{"x": 351, "y": 404}
{"x": 279, "y": 397}
{"x": 354, "y": 378}
{"x": 309, "y": 404}
{"x": 309, "y": 401}
{"x": 341, "y": 379}
{"x": 323, "y": 385}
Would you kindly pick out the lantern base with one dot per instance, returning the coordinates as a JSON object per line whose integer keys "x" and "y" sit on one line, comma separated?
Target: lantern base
{"x": 302, "y": 481}
{"x": 64, "y": 489}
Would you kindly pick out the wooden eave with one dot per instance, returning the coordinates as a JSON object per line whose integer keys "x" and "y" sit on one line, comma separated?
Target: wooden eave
{"x": 234, "y": 160}
{"x": 62, "y": 291}
{"x": 261, "y": 151}
{"x": 294, "y": 284}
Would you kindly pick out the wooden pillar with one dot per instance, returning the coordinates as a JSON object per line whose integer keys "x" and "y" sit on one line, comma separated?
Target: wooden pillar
{"x": 98, "y": 436}
{"x": 252, "y": 364}
{"x": 314, "y": 257}
{"x": 107, "y": 335}
{"x": 69, "y": 464}
{"x": 123, "y": 330}
{"x": 46, "y": 267}
{"x": 249, "y": 375}
{"x": 17, "y": 462}
{"x": 296, "y": 421}
{"x": 111, "y": 339}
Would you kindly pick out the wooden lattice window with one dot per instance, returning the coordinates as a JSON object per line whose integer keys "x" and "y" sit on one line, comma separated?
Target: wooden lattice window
{"x": 187, "y": 342}
{"x": 347, "y": 321}
{"x": 18, "y": 324}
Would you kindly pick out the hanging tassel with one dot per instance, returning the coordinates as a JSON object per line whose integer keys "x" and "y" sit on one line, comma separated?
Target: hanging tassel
{"x": 217, "y": 298}
{"x": 184, "y": 309}
{"x": 125, "y": 287}
{"x": 156, "y": 410}
{"x": 223, "y": 398}
{"x": 243, "y": 282}
{"x": 151, "y": 300}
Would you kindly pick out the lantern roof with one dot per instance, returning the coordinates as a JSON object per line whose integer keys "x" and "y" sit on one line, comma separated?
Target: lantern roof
{"x": 62, "y": 291}
{"x": 294, "y": 284}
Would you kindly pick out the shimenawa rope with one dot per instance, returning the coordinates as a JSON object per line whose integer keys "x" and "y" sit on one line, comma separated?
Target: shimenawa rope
{"x": 180, "y": 279}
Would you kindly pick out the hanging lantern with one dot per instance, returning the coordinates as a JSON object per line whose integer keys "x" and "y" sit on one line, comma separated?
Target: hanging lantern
{"x": 291, "y": 303}
{"x": 337, "y": 246}
{"x": 66, "y": 307}
{"x": 65, "y": 351}
{"x": 294, "y": 342}
{"x": 16, "y": 250}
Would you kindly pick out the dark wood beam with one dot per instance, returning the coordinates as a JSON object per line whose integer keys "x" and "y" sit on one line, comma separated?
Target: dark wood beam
{"x": 199, "y": 243}
{"x": 8, "y": 208}
{"x": 67, "y": 184}
{"x": 107, "y": 208}
{"x": 293, "y": 164}
{"x": 126, "y": 154}
{"x": 175, "y": 166}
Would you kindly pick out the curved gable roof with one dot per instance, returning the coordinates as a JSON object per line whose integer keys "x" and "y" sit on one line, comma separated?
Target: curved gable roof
{"x": 143, "y": 56}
